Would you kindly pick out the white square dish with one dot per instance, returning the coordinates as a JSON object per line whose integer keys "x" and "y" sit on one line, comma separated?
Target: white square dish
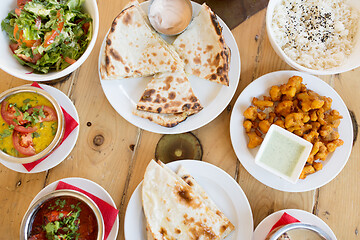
{"x": 283, "y": 153}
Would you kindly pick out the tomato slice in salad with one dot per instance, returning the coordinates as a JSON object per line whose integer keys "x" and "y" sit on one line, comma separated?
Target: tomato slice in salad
{"x": 21, "y": 3}
{"x": 23, "y": 143}
{"x": 15, "y": 117}
{"x": 18, "y": 35}
{"x": 69, "y": 60}
{"x": 54, "y": 33}
{"x": 50, "y": 114}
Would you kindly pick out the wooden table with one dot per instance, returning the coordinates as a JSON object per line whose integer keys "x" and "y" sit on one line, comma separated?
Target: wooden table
{"x": 114, "y": 153}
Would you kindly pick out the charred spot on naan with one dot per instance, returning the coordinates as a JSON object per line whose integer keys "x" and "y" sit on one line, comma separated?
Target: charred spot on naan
{"x": 146, "y": 97}
{"x": 199, "y": 229}
{"x": 186, "y": 196}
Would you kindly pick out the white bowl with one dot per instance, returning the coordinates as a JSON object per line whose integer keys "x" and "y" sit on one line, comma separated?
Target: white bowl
{"x": 351, "y": 62}
{"x": 290, "y": 139}
{"x": 10, "y": 65}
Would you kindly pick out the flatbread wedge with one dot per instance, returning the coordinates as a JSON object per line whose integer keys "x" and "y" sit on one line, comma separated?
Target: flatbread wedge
{"x": 203, "y": 49}
{"x": 163, "y": 119}
{"x": 169, "y": 93}
{"x": 134, "y": 49}
{"x": 173, "y": 210}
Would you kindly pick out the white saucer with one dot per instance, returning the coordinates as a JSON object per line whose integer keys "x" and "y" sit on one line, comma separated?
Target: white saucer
{"x": 90, "y": 187}
{"x": 221, "y": 188}
{"x": 65, "y": 148}
{"x": 124, "y": 94}
{"x": 265, "y": 226}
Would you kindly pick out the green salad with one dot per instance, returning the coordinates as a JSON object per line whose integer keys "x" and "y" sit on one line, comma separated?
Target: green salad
{"x": 48, "y": 34}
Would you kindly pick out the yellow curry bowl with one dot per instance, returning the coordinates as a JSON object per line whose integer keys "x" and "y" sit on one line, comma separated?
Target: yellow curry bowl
{"x": 19, "y": 107}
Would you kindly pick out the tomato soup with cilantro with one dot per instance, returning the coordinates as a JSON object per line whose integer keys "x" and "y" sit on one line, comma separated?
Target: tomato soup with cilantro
{"x": 64, "y": 218}
{"x": 28, "y": 124}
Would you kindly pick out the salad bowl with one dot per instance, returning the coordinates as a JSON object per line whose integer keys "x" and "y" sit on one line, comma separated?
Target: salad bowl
{"x": 12, "y": 66}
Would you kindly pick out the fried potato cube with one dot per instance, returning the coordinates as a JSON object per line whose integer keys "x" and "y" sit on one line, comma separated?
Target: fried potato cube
{"x": 315, "y": 126}
{"x": 261, "y": 116}
{"x": 317, "y": 166}
{"x": 280, "y": 123}
{"x": 247, "y": 125}
{"x": 327, "y": 103}
{"x": 322, "y": 153}
{"x": 311, "y": 136}
{"x": 313, "y": 116}
{"x": 295, "y": 81}
{"x": 325, "y": 130}
{"x": 309, "y": 104}
{"x": 331, "y": 136}
{"x": 331, "y": 146}
{"x": 333, "y": 118}
{"x": 308, "y": 169}
{"x": 303, "y": 130}
{"x": 275, "y": 93}
{"x": 262, "y": 104}
{"x": 288, "y": 90}
{"x": 254, "y": 140}
{"x": 293, "y": 121}
{"x": 316, "y": 147}
{"x": 310, "y": 159}
{"x": 251, "y": 113}
{"x": 264, "y": 126}
{"x": 271, "y": 117}
{"x": 284, "y": 108}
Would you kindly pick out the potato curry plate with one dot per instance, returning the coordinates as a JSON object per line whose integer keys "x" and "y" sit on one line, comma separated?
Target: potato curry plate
{"x": 124, "y": 94}
{"x": 333, "y": 164}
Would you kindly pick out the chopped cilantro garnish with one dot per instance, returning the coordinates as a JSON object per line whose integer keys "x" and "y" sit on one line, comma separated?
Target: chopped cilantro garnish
{"x": 27, "y": 100}
{"x": 4, "y": 150}
{"x": 41, "y": 125}
{"x": 11, "y": 127}
{"x": 5, "y": 134}
{"x": 35, "y": 134}
{"x": 53, "y": 128}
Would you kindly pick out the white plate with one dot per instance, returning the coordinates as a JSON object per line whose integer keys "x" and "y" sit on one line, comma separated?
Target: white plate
{"x": 333, "y": 164}
{"x": 124, "y": 94}
{"x": 265, "y": 226}
{"x": 65, "y": 148}
{"x": 221, "y": 188}
{"x": 90, "y": 187}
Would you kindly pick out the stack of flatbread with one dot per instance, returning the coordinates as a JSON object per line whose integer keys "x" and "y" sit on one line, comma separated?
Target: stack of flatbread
{"x": 134, "y": 49}
{"x": 176, "y": 207}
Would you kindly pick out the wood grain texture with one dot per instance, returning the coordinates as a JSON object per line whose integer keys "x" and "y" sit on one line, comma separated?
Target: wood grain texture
{"x": 114, "y": 153}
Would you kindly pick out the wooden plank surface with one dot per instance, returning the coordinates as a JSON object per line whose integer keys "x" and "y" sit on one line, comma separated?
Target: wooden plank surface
{"x": 113, "y": 153}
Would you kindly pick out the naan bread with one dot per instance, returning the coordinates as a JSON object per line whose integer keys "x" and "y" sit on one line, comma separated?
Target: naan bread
{"x": 169, "y": 93}
{"x": 173, "y": 210}
{"x": 185, "y": 175}
{"x": 203, "y": 49}
{"x": 134, "y": 49}
{"x": 163, "y": 119}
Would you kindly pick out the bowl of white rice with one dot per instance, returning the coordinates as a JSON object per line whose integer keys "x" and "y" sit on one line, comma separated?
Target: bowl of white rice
{"x": 321, "y": 37}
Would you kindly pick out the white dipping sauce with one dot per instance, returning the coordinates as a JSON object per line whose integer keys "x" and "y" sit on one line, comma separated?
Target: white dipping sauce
{"x": 170, "y": 17}
{"x": 282, "y": 153}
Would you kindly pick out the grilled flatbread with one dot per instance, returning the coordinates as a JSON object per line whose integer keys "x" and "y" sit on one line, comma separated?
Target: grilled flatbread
{"x": 169, "y": 93}
{"x": 173, "y": 210}
{"x": 163, "y": 119}
{"x": 203, "y": 49}
{"x": 134, "y": 49}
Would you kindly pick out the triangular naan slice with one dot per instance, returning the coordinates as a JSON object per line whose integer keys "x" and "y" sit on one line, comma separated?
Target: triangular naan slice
{"x": 169, "y": 93}
{"x": 185, "y": 175}
{"x": 163, "y": 119}
{"x": 173, "y": 210}
{"x": 203, "y": 49}
{"x": 134, "y": 49}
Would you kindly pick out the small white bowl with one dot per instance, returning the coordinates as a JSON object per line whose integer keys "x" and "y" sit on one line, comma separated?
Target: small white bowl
{"x": 10, "y": 65}
{"x": 291, "y": 139}
{"x": 351, "y": 62}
